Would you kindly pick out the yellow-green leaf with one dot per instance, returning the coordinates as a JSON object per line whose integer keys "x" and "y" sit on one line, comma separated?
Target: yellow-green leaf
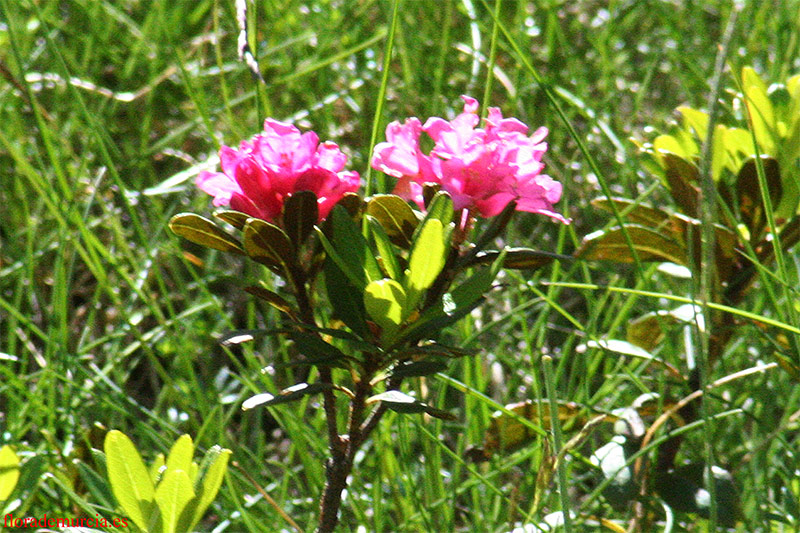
{"x": 180, "y": 455}
{"x": 217, "y": 459}
{"x": 172, "y": 495}
{"x": 9, "y": 471}
{"x": 385, "y": 302}
{"x": 204, "y": 232}
{"x": 650, "y": 245}
{"x": 130, "y": 480}
{"x": 427, "y": 259}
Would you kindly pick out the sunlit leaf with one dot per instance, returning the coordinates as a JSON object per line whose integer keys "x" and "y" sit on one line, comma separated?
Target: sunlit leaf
{"x": 632, "y": 211}
{"x": 173, "y": 493}
{"x": 650, "y": 245}
{"x": 215, "y": 464}
{"x": 386, "y": 256}
{"x": 385, "y": 302}
{"x": 237, "y": 219}
{"x": 272, "y": 298}
{"x": 129, "y": 478}
{"x": 695, "y": 121}
{"x": 289, "y": 394}
{"x": 268, "y": 244}
{"x": 204, "y": 232}
{"x": 395, "y": 216}
{"x": 417, "y": 369}
{"x": 403, "y": 403}
{"x": 427, "y": 259}
{"x": 180, "y": 455}
{"x": 760, "y": 110}
{"x": 9, "y": 471}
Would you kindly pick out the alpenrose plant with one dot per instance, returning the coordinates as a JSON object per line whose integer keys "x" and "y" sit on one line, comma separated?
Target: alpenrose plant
{"x": 393, "y": 276}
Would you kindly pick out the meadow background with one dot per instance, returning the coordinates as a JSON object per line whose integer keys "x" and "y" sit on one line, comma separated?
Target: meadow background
{"x": 108, "y": 109}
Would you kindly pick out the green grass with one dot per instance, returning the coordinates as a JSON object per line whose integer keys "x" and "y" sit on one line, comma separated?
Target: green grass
{"x": 111, "y": 321}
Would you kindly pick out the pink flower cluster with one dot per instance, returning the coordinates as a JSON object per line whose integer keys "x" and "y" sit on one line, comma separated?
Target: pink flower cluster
{"x": 482, "y": 169}
{"x": 264, "y": 171}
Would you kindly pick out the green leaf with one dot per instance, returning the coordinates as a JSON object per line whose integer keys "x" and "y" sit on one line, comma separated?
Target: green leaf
{"x": 518, "y": 258}
{"x": 760, "y": 110}
{"x": 395, "y": 216}
{"x": 403, "y": 403}
{"x": 454, "y": 305}
{"x": 300, "y": 213}
{"x": 215, "y": 465}
{"x": 180, "y": 455}
{"x": 289, "y": 394}
{"x": 610, "y": 245}
{"x": 268, "y": 244}
{"x": 387, "y": 258}
{"x": 682, "y": 177}
{"x": 385, "y": 302}
{"x": 634, "y": 212}
{"x": 441, "y": 208}
{"x": 9, "y": 472}
{"x": 748, "y": 191}
{"x": 695, "y": 121}
{"x": 129, "y": 478}
{"x": 311, "y": 345}
{"x": 237, "y": 219}
{"x": 156, "y": 468}
{"x": 272, "y": 298}
{"x": 427, "y": 259}
{"x": 172, "y": 495}
{"x": 204, "y": 232}
{"x": 417, "y": 369}
{"x": 352, "y": 247}
{"x": 345, "y": 297}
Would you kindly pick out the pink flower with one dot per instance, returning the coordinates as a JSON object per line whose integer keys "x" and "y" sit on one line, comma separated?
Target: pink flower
{"x": 482, "y": 169}
{"x": 270, "y": 167}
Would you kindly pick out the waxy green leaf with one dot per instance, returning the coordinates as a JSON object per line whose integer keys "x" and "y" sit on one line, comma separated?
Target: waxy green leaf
{"x": 385, "y": 302}
{"x": 268, "y": 244}
{"x": 204, "y": 232}
{"x": 395, "y": 216}
{"x": 427, "y": 257}
{"x": 300, "y": 213}
{"x": 650, "y": 245}
{"x": 237, "y": 219}
{"x": 403, "y": 403}
{"x": 173, "y": 493}
{"x": 215, "y": 463}
{"x": 272, "y": 298}
{"x": 290, "y": 394}
{"x": 129, "y": 478}
{"x": 352, "y": 248}
{"x": 386, "y": 256}
{"x": 312, "y": 346}
{"x": 180, "y": 455}
{"x": 417, "y": 369}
